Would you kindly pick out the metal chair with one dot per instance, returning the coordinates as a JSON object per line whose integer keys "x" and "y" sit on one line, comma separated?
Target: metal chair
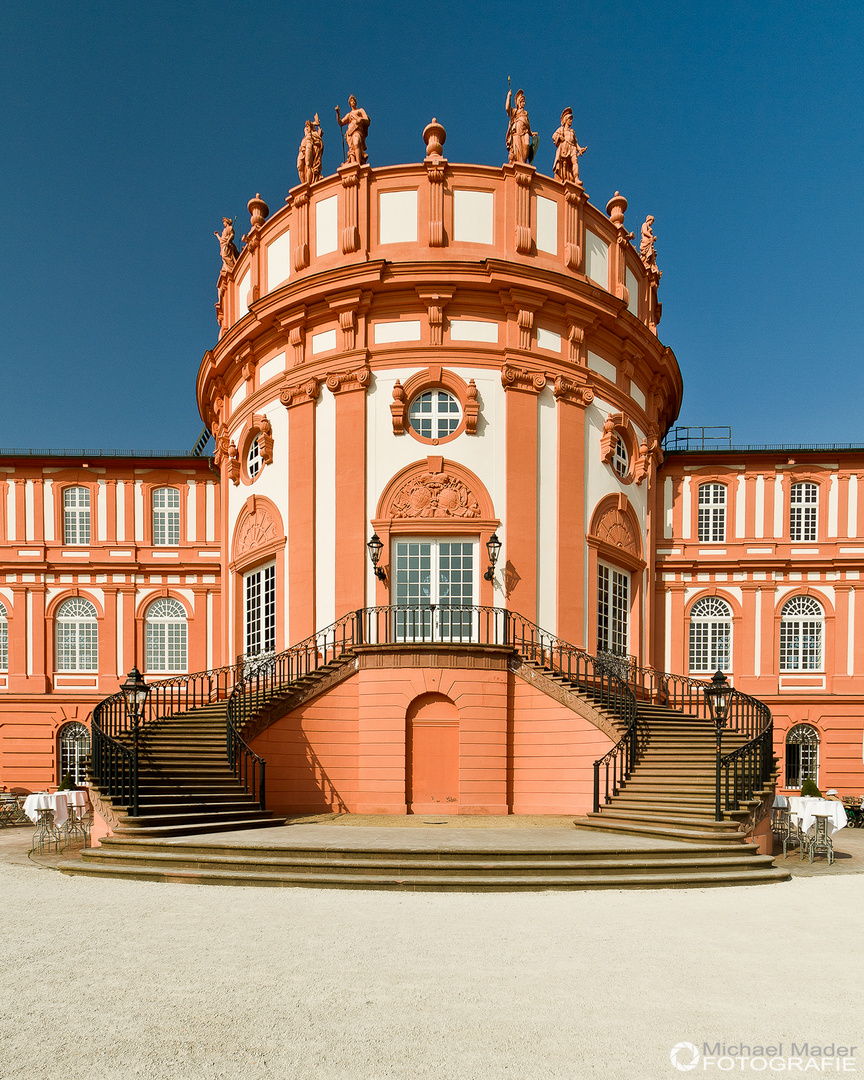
{"x": 820, "y": 841}
{"x": 785, "y": 828}
{"x": 77, "y": 824}
{"x": 47, "y": 834}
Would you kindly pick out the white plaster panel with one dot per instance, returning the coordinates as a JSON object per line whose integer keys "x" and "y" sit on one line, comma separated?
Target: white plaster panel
{"x": 548, "y": 339}
{"x": 547, "y": 509}
{"x": 323, "y": 342}
{"x": 778, "y": 507}
{"x": 602, "y": 367}
{"x": 10, "y": 512}
{"x": 325, "y": 511}
{"x": 238, "y": 395}
{"x": 29, "y": 516}
{"x": 102, "y": 511}
{"x": 191, "y": 515}
{"x": 209, "y": 629}
{"x": 210, "y": 512}
{"x": 850, "y": 631}
{"x": 832, "y": 505}
{"x": 397, "y": 217}
{"x": 596, "y": 259}
{"x": 632, "y": 283}
{"x": 686, "y": 507}
{"x": 637, "y": 395}
{"x": 120, "y": 496}
{"x": 473, "y": 330}
{"x": 278, "y": 260}
{"x": 384, "y": 333}
{"x": 547, "y": 225}
{"x": 760, "y": 507}
{"x": 271, "y": 368}
{"x": 242, "y": 295}
{"x": 28, "y": 630}
{"x": 667, "y": 664}
{"x": 139, "y": 512}
{"x": 668, "y": 490}
{"x": 326, "y": 226}
{"x": 757, "y": 635}
{"x": 473, "y": 216}
{"x": 48, "y": 510}
{"x": 740, "y": 506}
{"x": 852, "y": 508}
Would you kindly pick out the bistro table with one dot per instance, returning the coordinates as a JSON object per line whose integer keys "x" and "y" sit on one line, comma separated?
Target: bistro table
{"x": 50, "y": 812}
{"x": 58, "y": 802}
{"x": 806, "y": 810}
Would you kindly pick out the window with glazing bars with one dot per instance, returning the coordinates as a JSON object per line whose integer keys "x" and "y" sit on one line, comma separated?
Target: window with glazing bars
{"x": 77, "y": 636}
{"x": 435, "y": 414}
{"x": 613, "y": 610}
{"x": 166, "y": 517}
{"x": 76, "y": 515}
{"x": 260, "y": 610}
{"x": 710, "y": 635}
{"x": 439, "y": 572}
{"x": 4, "y": 639}
{"x": 801, "y": 625}
{"x": 803, "y": 507}
{"x": 166, "y": 635}
{"x": 74, "y": 745}
{"x": 712, "y": 513}
{"x": 802, "y": 755}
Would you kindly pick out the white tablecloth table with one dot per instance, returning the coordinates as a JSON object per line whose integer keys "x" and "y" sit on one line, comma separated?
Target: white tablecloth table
{"x": 59, "y": 802}
{"x": 807, "y": 809}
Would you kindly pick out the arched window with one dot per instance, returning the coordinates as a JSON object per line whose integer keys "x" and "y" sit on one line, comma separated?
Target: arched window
{"x": 712, "y": 513}
{"x": 77, "y": 636}
{"x": 254, "y": 460}
{"x": 801, "y": 626}
{"x": 620, "y": 457}
{"x": 165, "y": 624}
{"x": 73, "y": 742}
{"x": 803, "y": 507}
{"x": 802, "y": 755}
{"x": 166, "y": 517}
{"x": 76, "y": 515}
{"x": 4, "y": 639}
{"x": 435, "y": 414}
{"x": 710, "y": 635}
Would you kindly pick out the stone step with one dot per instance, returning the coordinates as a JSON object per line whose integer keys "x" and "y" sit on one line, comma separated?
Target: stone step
{"x": 228, "y": 822}
{"x": 655, "y": 817}
{"x": 669, "y": 832}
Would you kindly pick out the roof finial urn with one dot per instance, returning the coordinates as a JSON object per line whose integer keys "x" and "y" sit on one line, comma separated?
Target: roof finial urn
{"x": 434, "y": 136}
{"x": 615, "y": 208}
{"x": 258, "y": 210}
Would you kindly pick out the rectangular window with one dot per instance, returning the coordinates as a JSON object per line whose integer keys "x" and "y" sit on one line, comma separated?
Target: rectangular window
{"x": 260, "y": 611}
{"x": 166, "y": 517}
{"x": 801, "y": 645}
{"x": 77, "y": 646}
{"x": 712, "y": 513}
{"x": 434, "y": 584}
{"x": 803, "y": 506}
{"x": 613, "y": 610}
{"x": 76, "y": 515}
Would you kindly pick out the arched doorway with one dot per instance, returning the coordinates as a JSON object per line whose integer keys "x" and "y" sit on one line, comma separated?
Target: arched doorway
{"x": 432, "y": 764}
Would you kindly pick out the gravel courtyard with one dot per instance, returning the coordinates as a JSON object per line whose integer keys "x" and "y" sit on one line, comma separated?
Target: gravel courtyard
{"x": 110, "y": 979}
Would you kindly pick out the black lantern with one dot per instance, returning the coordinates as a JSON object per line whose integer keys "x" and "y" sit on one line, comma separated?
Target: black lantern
{"x": 135, "y": 692}
{"x": 493, "y": 550}
{"x": 375, "y": 547}
{"x": 718, "y": 694}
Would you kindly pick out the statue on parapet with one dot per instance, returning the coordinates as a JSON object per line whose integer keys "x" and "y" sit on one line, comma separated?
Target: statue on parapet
{"x": 568, "y": 151}
{"x": 227, "y": 247}
{"x": 521, "y": 140}
{"x": 311, "y": 152}
{"x": 646, "y": 244}
{"x": 357, "y": 123}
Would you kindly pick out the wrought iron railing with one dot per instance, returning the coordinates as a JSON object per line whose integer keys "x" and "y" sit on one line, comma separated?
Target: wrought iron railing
{"x": 255, "y": 681}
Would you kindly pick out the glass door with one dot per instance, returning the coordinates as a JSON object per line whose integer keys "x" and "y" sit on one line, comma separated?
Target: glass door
{"x": 435, "y": 590}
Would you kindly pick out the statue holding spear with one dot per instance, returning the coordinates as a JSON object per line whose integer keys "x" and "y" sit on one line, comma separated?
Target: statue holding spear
{"x": 356, "y": 123}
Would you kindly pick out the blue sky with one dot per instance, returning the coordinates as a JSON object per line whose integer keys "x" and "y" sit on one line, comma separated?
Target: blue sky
{"x": 128, "y": 130}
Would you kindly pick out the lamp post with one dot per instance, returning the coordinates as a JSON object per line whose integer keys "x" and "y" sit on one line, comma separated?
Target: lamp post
{"x": 717, "y": 694}
{"x": 135, "y": 692}
{"x": 493, "y": 550}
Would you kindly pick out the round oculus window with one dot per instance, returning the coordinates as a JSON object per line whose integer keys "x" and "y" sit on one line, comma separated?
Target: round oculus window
{"x": 434, "y": 414}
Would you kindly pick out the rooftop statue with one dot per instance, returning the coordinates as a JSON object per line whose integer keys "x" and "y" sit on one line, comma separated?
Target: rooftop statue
{"x": 227, "y": 247}
{"x": 568, "y": 151}
{"x": 647, "y": 242}
{"x": 521, "y": 140}
{"x": 358, "y": 128}
{"x": 311, "y": 152}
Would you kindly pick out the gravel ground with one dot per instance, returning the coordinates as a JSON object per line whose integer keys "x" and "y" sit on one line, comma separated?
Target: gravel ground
{"x": 109, "y": 979}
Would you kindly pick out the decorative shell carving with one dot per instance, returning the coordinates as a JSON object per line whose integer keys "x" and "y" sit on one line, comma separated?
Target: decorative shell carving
{"x": 614, "y": 528}
{"x": 257, "y": 529}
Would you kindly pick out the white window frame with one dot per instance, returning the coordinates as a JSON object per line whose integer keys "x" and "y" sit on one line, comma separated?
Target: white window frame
{"x": 711, "y": 524}
{"x": 166, "y": 636}
{"x": 710, "y": 636}
{"x": 620, "y": 458}
{"x": 804, "y": 512}
{"x": 806, "y": 737}
{"x": 4, "y": 638}
{"x": 76, "y": 516}
{"x": 433, "y": 587}
{"x": 613, "y": 610}
{"x": 166, "y": 517}
{"x": 76, "y": 636}
{"x": 802, "y": 635}
{"x": 73, "y": 750}
{"x": 259, "y": 611}
{"x": 254, "y": 461}
{"x": 442, "y": 417}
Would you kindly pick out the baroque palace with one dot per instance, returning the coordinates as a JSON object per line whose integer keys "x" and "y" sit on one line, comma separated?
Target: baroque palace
{"x": 442, "y": 478}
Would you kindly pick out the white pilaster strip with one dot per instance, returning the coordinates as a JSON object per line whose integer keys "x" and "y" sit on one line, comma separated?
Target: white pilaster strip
{"x": 191, "y": 516}
{"x": 686, "y": 510}
{"x": 139, "y": 512}
{"x": 28, "y": 630}
{"x": 10, "y": 512}
{"x": 667, "y": 508}
{"x": 29, "y": 516}
{"x": 102, "y": 510}
{"x": 850, "y": 642}
{"x": 667, "y": 662}
{"x": 852, "y": 508}
{"x": 757, "y": 636}
{"x": 760, "y": 507}
{"x": 209, "y": 630}
{"x": 119, "y": 632}
{"x": 832, "y": 506}
{"x": 325, "y": 510}
{"x": 740, "y": 506}
{"x": 778, "y": 507}
{"x": 120, "y": 496}
{"x": 547, "y": 510}
{"x": 48, "y": 510}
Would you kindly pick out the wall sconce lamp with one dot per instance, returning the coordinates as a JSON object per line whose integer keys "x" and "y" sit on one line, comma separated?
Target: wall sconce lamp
{"x": 375, "y": 547}
{"x": 493, "y": 549}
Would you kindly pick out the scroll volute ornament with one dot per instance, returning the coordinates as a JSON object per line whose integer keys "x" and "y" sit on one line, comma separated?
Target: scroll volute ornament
{"x": 472, "y": 409}
{"x": 233, "y": 466}
{"x": 397, "y": 409}
{"x": 607, "y": 440}
{"x": 265, "y": 437}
